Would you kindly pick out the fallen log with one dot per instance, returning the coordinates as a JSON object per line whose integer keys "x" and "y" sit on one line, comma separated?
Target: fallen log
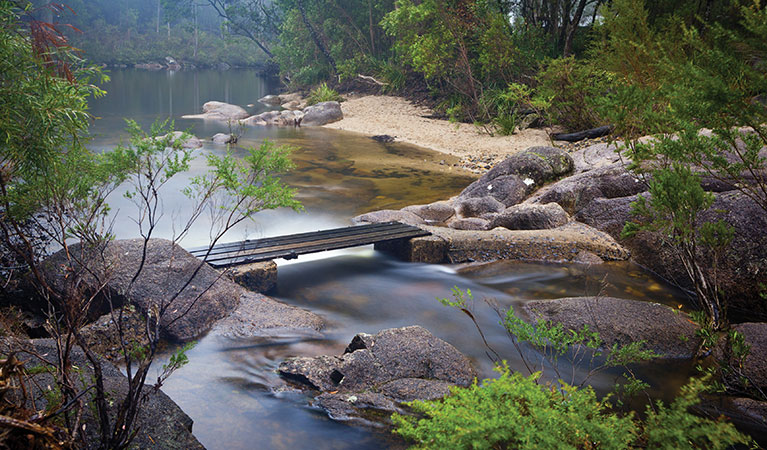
{"x": 581, "y": 135}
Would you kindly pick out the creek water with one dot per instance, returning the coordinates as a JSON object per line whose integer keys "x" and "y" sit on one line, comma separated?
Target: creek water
{"x": 230, "y": 387}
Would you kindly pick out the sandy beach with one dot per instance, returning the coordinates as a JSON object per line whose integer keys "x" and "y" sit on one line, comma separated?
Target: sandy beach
{"x": 397, "y": 117}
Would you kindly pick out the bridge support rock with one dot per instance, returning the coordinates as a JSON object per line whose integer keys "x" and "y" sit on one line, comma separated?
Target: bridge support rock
{"x": 257, "y": 277}
{"x": 426, "y": 249}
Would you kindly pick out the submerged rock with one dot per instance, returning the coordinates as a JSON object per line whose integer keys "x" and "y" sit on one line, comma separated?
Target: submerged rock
{"x": 259, "y": 315}
{"x": 666, "y": 331}
{"x": 377, "y": 372}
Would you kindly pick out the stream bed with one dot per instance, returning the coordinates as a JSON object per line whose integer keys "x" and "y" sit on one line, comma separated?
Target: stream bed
{"x": 230, "y": 387}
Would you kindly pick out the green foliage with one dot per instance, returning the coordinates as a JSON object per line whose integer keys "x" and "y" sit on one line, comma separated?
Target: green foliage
{"x": 673, "y": 427}
{"x": 673, "y": 77}
{"x": 466, "y": 50}
{"x": 570, "y": 89}
{"x": 246, "y": 185}
{"x": 349, "y": 29}
{"x": 323, "y": 93}
{"x": 513, "y": 411}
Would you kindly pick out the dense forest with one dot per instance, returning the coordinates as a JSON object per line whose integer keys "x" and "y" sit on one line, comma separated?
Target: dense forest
{"x": 128, "y": 32}
{"x": 485, "y": 61}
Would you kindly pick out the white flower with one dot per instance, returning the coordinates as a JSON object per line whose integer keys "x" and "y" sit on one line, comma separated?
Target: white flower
{"x": 351, "y": 399}
{"x": 489, "y": 187}
{"x": 528, "y": 181}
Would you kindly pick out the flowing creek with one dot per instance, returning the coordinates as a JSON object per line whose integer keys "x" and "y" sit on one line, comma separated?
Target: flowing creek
{"x": 230, "y": 387}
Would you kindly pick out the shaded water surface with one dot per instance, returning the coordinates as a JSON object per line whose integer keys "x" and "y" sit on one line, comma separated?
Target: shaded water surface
{"x": 230, "y": 387}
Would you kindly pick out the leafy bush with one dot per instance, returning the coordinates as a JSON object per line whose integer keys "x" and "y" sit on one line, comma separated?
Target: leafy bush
{"x": 570, "y": 87}
{"x": 323, "y": 93}
{"x": 514, "y": 411}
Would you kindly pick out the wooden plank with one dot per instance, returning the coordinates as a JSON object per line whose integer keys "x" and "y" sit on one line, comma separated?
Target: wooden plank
{"x": 292, "y": 254}
{"x": 290, "y": 246}
{"x": 297, "y": 238}
{"x": 293, "y": 250}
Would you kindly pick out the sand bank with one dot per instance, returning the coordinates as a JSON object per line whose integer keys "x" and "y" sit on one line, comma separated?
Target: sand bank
{"x": 397, "y": 117}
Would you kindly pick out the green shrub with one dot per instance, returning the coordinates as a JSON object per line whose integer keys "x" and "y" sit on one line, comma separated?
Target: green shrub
{"x": 323, "y": 93}
{"x": 570, "y": 87}
{"x": 514, "y": 411}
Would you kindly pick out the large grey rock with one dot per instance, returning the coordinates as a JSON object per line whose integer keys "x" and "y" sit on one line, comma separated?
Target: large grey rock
{"x": 478, "y": 206}
{"x": 271, "y": 100}
{"x": 390, "y": 215}
{"x": 540, "y": 164}
{"x": 433, "y": 212}
{"x": 560, "y": 244}
{"x": 186, "y": 140}
{"x": 667, "y": 332}
{"x": 322, "y": 114}
{"x": 740, "y": 268}
{"x": 575, "y": 192}
{"x": 276, "y": 118}
{"x": 507, "y": 189}
{"x": 194, "y": 296}
{"x": 470, "y": 223}
{"x": 378, "y": 371}
{"x": 222, "y": 139}
{"x": 531, "y": 217}
{"x": 259, "y": 315}
{"x": 596, "y": 156}
{"x": 214, "y": 110}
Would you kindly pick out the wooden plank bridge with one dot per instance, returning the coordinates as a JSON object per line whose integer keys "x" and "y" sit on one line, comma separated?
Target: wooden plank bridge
{"x": 290, "y": 246}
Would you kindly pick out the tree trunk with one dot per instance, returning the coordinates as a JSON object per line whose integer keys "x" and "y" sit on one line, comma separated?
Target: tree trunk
{"x": 370, "y": 24}
{"x": 315, "y": 36}
{"x": 157, "y": 25}
{"x": 573, "y": 27}
{"x": 196, "y": 40}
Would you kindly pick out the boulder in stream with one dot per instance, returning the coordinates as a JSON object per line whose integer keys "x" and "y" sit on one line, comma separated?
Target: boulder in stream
{"x": 664, "y": 330}
{"x": 377, "y": 372}
{"x": 322, "y": 113}
{"x": 214, "y": 110}
{"x": 198, "y": 301}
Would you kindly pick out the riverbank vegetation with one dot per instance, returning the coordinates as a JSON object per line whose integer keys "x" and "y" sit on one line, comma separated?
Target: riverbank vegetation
{"x": 53, "y": 198}
{"x": 639, "y": 68}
